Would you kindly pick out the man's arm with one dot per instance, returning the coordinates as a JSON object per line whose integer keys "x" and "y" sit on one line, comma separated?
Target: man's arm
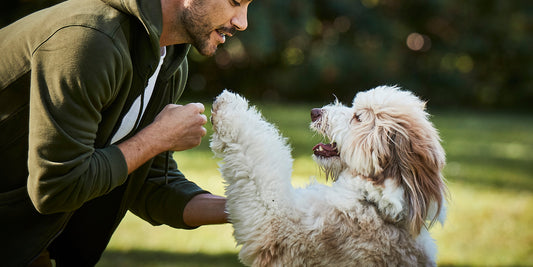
{"x": 205, "y": 209}
{"x": 70, "y": 87}
{"x": 176, "y": 128}
{"x": 180, "y": 203}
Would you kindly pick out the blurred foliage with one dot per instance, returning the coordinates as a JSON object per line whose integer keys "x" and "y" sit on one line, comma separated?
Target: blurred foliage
{"x": 451, "y": 52}
{"x": 461, "y": 53}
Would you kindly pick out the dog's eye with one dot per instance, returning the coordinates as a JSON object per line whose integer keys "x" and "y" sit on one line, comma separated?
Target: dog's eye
{"x": 356, "y": 117}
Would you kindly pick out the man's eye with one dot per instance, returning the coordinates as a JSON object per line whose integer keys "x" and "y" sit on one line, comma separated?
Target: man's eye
{"x": 235, "y": 3}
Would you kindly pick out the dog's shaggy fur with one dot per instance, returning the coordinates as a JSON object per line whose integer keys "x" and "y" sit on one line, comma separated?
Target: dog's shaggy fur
{"x": 385, "y": 160}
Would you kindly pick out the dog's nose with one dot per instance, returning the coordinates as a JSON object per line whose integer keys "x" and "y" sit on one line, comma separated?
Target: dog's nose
{"x": 315, "y": 114}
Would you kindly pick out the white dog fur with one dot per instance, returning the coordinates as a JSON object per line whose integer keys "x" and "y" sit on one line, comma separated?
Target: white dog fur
{"x": 387, "y": 189}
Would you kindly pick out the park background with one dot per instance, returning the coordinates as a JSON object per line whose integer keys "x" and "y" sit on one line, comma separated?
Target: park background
{"x": 471, "y": 60}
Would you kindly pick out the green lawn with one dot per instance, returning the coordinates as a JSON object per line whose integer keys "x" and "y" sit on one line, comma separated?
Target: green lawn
{"x": 489, "y": 172}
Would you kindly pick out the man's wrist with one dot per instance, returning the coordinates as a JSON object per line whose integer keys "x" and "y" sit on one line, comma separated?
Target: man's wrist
{"x": 138, "y": 149}
{"x": 205, "y": 209}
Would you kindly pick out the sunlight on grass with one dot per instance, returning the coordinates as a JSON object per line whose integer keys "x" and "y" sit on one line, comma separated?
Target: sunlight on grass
{"x": 486, "y": 227}
{"x": 136, "y": 234}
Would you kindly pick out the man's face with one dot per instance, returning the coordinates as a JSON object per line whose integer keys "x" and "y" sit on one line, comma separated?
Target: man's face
{"x": 208, "y": 22}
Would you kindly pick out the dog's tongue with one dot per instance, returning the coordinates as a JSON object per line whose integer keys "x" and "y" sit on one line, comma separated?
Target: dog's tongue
{"x": 326, "y": 150}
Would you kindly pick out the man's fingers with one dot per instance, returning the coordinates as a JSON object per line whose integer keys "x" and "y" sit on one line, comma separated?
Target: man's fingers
{"x": 199, "y": 106}
{"x": 182, "y": 126}
{"x": 203, "y": 119}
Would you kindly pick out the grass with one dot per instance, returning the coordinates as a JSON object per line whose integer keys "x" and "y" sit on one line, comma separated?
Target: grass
{"x": 489, "y": 172}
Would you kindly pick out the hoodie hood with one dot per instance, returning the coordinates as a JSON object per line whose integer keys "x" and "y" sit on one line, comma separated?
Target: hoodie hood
{"x": 148, "y": 12}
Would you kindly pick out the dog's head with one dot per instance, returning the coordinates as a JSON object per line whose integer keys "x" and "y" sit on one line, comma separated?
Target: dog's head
{"x": 387, "y": 139}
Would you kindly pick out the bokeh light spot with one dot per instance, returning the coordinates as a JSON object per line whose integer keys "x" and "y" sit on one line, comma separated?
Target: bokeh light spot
{"x": 464, "y": 63}
{"x": 418, "y": 42}
{"x": 342, "y": 24}
{"x": 293, "y": 56}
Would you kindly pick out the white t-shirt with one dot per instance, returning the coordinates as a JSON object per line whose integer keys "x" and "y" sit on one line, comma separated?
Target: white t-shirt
{"x": 128, "y": 122}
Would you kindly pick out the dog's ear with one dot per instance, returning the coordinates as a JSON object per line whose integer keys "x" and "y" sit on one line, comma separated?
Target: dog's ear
{"x": 395, "y": 140}
{"x": 416, "y": 158}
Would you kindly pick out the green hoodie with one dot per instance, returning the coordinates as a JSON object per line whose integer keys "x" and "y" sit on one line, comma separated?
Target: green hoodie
{"x": 68, "y": 74}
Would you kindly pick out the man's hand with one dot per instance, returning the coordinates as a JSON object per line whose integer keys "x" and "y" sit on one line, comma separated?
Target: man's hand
{"x": 175, "y": 128}
{"x": 180, "y": 127}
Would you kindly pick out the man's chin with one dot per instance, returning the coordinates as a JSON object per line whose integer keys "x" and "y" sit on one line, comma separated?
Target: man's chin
{"x": 208, "y": 50}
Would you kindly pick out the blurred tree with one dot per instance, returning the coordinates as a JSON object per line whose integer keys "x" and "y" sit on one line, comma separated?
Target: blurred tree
{"x": 451, "y": 52}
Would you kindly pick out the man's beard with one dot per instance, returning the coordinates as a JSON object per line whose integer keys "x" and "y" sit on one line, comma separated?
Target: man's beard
{"x": 198, "y": 30}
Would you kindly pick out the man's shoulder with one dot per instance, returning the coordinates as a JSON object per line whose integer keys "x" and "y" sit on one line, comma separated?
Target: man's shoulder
{"x": 91, "y": 14}
{"x": 88, "y": 15}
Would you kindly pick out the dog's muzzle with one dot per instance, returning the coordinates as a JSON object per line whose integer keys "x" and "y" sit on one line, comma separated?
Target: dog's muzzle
{"x": 316, "y": 113}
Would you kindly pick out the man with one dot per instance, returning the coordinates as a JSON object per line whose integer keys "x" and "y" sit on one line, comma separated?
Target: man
{"x": 86, "y": 120}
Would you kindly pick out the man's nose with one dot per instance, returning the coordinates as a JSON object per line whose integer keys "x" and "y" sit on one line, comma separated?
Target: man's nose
{"x": 240, "y": 20}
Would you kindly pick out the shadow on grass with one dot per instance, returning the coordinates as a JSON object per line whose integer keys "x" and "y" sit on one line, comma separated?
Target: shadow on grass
{"x": 160, "y": 258}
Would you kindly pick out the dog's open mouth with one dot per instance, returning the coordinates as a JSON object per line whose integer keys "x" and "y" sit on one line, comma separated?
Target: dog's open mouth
{"x": 326, "y": 150}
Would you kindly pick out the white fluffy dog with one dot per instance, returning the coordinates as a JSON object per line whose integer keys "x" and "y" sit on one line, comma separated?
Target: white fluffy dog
{"x": 385, "y": 159}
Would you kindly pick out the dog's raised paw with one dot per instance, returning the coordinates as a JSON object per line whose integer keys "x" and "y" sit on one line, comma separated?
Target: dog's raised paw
{"x": 229, "y": 102}
{"x": 227, "y": 118}
{"x": 226, "y": 108}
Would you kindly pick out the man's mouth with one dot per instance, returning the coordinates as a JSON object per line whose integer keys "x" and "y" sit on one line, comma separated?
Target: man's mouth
{"x": 223, "y": 35}
{"x": 326, "y": 150}
{"x": 223, "y": 32}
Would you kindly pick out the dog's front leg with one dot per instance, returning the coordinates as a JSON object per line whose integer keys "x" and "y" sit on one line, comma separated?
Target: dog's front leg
{"x": 256, "y": 167}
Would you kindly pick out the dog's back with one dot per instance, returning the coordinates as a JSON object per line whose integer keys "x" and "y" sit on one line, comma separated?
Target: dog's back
{"x": 325, "y": 233}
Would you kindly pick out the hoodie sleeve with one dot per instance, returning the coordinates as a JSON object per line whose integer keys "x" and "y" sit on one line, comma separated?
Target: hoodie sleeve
{"x": 75, "y": 74}
{"x": 162, "y": 203}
